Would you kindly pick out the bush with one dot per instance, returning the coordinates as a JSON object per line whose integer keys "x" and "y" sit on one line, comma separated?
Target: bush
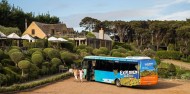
{"x": 169, "y": 54}
{"x": 32, "y": 50}
{"x": 149, "y": 52}
{"x": 1, "y": 54}
{"x": 104, "y": 50}
{"x": 122, "y": 50}
{"x": 13, "y": 50}
{"x": 163, "y": 72}
{"x": 53, "y": 54}
{"x": 56, "y": 61}
{"x": 24, "y": 64}
{"x": 18, "y": 87}
{"x": 116, "y": 54}
{"x": 16, "y": 57}
{"x": 158, "y": 61}
{"x": 33, "y": 71}
{"x": 171, "y": 47}
{"x": 6, "y": 62}
{"x": 26, "y": 43}
{"x": 68, "y": 57}
{"x": 37, "y": 59}
{"x": 171, "y": 70}
{"x": 186, "y": 76}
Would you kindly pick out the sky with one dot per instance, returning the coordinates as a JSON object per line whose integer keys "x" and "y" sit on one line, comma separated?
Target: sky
{"x": 71, "y": 12}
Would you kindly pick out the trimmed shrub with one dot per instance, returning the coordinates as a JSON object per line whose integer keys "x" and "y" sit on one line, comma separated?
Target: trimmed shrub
{"x": 13, "y": 50}
{"x": 16, "y": 57}
{"x": 95, "y": 51}
{"x": 18, "y": 87}
{"x": 122, "y": 50}
{"x": 68, "y": 57}
{"x": 56, "y": 61}
{"x": 104, "y": 50}
{"x": 89, "y": 49}
{"x": 15, "y": 47}
{"x": 38, "y": 52}
{"x": 53, "y": 54}
{"x": 116, "y": 54}
{"x": 37, "y": 59}
{"x": 82, "y": 46}
{"x": 6, "y": 62}
{"x": 24, "y": 64}
{"x": 169, "y": 54}
{"x": 33, "y": 72}
{"x": 32, "y": 50}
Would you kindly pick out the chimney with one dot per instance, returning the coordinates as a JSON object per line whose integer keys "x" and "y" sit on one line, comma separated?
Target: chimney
{"x": 101, "y": 33}
{"x": 26, "y": 24}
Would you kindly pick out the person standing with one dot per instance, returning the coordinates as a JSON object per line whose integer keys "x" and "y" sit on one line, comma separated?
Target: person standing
{"x": 81, "y": 72}
{"x": 75, "y": 71}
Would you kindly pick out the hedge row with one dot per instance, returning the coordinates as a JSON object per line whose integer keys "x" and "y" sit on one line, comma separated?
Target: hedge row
{"x": 169, "y": 54}
{"x": 19, "y": 87}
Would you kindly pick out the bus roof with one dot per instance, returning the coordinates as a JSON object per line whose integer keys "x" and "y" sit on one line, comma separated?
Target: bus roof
{"x": 131, "y": 58}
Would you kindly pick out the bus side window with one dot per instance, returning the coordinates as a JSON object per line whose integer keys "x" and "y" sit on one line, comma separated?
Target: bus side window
{"x": 116, "y": 66}
{"x": 132, "y": 66}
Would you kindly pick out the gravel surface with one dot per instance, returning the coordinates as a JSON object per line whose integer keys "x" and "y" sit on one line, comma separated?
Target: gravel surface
{"x": 70, "y": 86}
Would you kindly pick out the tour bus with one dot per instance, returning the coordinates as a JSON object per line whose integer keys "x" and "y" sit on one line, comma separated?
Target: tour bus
{"x": 129, "y": 71}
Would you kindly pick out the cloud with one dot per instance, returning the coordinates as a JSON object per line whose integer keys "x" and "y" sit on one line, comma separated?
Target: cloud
{"x": 74, "y": 20}
{"x": 170, "y": 3}
{"x": 182, "y": 15}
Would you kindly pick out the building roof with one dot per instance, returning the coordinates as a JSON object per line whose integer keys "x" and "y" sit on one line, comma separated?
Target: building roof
{"x": 70, "y": 30}
{"x": 47, "y": 27}
{"x": 106, "y": 36}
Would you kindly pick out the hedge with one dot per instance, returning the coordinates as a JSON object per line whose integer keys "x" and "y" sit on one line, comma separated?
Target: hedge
{"x": 33, "y": 84}
{"x": 169, "y": 54}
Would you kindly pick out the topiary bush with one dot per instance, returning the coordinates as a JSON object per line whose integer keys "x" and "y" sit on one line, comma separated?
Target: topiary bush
{"x": 53, "y": 54}
{"x": 24, "y": 64}
{"x": 13, "y": 50}
{"x": 68, "y": 57}
{"x": 32, "y": 50}
{"x": 16, "y": 57}
{"x": 104, "y": 50}
{"x": 37, "y": 59}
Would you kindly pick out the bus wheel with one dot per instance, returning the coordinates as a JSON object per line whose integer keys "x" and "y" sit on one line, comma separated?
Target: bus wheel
{"x": 117, "y": 83}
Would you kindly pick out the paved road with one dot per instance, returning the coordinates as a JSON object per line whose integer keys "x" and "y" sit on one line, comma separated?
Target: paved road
{"x": 69, "y": 86}
{"x": 178, "y": 63}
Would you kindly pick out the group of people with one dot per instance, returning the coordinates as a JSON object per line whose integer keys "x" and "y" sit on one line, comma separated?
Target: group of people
{"x": 78, "y": 74}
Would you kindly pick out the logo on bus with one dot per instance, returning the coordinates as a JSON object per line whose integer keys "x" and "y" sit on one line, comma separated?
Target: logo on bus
{"x": 128, "y": 73}
{"x": 148, "y": 64}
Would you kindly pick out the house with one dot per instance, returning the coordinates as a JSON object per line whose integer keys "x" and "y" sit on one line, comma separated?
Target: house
{"x": 101, "y": 40}
{"x": 42, "y": 30}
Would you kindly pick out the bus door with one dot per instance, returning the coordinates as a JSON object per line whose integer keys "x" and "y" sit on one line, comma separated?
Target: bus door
{"x": 90, "y": 70}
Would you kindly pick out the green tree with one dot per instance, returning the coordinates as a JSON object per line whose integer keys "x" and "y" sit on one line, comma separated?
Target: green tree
{"x": 16, "y": 57}
{"x": 24, "y": 64}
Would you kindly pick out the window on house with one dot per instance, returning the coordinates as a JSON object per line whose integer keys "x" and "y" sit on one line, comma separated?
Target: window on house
{"x": 33, "y": 31}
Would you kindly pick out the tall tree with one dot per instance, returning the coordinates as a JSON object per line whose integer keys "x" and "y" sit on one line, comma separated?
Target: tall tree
{"x": 89, "y": 23}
